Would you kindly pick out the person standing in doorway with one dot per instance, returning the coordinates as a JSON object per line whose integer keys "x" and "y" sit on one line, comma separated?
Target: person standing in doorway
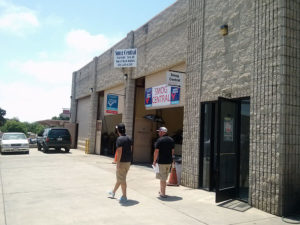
{"x": 123, "y": 161}
{"x": 163, "y": 155}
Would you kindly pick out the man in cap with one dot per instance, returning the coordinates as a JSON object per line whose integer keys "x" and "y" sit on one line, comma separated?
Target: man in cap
{"x": 163, "y": 155}
{"x": 124, "y": 157}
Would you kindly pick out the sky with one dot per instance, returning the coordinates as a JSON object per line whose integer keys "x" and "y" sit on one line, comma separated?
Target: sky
{"x": 42, "y": 42}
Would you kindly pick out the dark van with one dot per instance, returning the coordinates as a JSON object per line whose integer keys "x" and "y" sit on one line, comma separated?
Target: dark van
{"x": 56, "y": 138}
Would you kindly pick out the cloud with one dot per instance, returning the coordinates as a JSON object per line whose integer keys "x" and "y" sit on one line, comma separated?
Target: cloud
{"x": 35, "y": 102}
{"x": 81, "y": 40}
{"x": 48, "y": 77}
{"x": 54, "y": 72}
{"x": 81, "y": 48}
{"x": 17, "y": 19}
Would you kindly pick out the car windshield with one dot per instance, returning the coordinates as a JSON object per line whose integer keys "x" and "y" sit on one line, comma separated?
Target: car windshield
{"x": 13, "y": 136}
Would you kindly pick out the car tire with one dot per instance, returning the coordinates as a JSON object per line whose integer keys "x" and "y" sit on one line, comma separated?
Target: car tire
{"x": 67, "y": 150}
{"x": 45, "y": 148}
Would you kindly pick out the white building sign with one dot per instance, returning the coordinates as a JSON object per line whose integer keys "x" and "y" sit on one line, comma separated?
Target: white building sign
{"x": 125, "y": 58}
{"x": 162, "y": 95}
{"x": 174, "y": 78}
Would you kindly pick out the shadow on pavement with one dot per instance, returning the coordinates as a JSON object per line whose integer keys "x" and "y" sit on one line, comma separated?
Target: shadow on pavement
{"x": 56, "y": 152}
{"x": 170, "y": 198}
{"x": 235, "y": 205}
{"x": 14, "y": 153}
{"x": 129, "y": 203}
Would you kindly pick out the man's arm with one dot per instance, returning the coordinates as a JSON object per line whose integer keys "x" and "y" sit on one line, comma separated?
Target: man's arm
{"x": 155, "y": 156}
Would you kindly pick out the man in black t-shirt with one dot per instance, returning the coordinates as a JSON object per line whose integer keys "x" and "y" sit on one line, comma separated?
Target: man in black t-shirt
{"x": 163, "y": 155}
{"x": 124, "y": 156}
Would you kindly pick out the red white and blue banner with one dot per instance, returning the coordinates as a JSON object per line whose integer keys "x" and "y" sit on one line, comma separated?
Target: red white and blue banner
{"x": 162, "y": 95}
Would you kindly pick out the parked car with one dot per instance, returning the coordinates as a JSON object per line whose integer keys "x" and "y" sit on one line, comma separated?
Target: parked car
{"x": 32, "y": 141}
{"x": 14, "y": 142}
{"x": 56, "y": 138}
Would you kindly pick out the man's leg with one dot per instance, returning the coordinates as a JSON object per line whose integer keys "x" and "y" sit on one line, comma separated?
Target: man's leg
{"x": 124, "y": 187}
{"x": 117, "y": 185}
{"x": 163, "y": 185}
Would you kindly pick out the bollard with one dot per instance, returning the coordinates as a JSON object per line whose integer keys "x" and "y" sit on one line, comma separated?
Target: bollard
{"x": 87, "y": 146}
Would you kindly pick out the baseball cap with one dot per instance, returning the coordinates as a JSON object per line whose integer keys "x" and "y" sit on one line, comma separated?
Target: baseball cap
{"x": 163, "y": 129}
{"x": 121, "y": 128}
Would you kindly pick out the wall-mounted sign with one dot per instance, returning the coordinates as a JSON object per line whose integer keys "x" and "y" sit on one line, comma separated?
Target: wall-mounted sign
{"x": 174, "y": 78}
{"x": 125, "y": 58}
{"x": 148, "y": 97}
{"x": 175, "y": 95}
{"x": 112, "y": 104}
{"x": 162, "y": 95}
{"x": 228, "y": 129}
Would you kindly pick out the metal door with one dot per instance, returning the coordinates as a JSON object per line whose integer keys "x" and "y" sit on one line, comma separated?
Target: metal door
{"x": 227, "y": 150}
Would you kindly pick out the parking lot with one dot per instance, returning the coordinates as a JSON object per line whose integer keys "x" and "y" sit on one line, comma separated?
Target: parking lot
{"x": 58, "y": 188}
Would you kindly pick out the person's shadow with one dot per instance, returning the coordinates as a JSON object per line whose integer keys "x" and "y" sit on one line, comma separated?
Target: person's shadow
{"x": 170, "y": 198}
{"x": 129, "y": 202}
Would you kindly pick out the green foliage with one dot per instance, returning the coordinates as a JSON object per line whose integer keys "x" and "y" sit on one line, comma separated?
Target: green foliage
{"x": 35, "y": 128}
{"x": 14, "y": 126}
{"x": 60, "y": 117}
{"x": 2, "y": 119}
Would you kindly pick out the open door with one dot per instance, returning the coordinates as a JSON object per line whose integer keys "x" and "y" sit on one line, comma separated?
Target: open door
{"x": 227, "y": 150}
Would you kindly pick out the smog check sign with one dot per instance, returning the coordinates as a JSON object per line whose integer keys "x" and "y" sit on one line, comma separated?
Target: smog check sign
{"x": 125, "y": 58}
{"x": 162, "y": 95}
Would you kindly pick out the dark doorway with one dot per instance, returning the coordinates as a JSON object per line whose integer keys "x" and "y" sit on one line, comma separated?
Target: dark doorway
{"x": 225, "y": 126}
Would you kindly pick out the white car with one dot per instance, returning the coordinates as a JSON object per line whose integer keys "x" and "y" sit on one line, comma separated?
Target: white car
{"x": 14, "y": 142}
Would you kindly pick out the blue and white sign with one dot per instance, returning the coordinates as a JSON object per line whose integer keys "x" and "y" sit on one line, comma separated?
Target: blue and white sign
{"x": 112, "y": 104}
{"x": 125, "y": 58}
{"x": 175, "y": 95}
{"x": 148, "y": 97}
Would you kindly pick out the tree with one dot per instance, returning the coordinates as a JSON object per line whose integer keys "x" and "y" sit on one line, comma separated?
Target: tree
{"x": 60, "y": 117}
{"x": 14, "y": 126}
{"x": 2, "y": 114}
{"x": 35, "y": 128}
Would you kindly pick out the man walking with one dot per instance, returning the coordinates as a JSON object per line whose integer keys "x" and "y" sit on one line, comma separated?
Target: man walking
{"x": 123, "y": 161}
{"x": 163, "y": 155}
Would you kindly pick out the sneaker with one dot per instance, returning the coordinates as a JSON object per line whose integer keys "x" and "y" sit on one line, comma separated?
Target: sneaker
{"x": 123, "y": 199}
{"x": 161, "y": 195}
{"x": 111, "y": 194}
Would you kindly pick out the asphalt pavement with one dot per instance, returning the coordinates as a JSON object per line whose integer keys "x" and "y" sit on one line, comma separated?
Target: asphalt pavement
{"x": 58, "y": 188}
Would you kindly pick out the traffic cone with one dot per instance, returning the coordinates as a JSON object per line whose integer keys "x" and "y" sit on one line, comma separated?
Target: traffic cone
{"x": 115, "y": 160}
{"x": 173, "y": 178}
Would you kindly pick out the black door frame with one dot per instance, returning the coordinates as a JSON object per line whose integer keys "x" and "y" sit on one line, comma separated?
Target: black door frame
{"x": 212, "y": 145}
{"x": 230, "y": 192}
{"x": 213, "y": 173}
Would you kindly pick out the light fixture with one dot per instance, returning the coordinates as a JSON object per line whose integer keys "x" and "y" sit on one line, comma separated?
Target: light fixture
{"x": 91, "y": 90}
{"x": 224, "y": 29}
{"x": 125, "y": 76}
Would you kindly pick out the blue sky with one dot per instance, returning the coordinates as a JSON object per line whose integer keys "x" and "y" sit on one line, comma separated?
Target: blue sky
{"x": 44, "y": 41}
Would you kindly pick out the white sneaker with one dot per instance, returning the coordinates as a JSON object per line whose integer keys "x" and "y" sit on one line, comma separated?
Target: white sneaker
{"x": 111, "y": 194}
